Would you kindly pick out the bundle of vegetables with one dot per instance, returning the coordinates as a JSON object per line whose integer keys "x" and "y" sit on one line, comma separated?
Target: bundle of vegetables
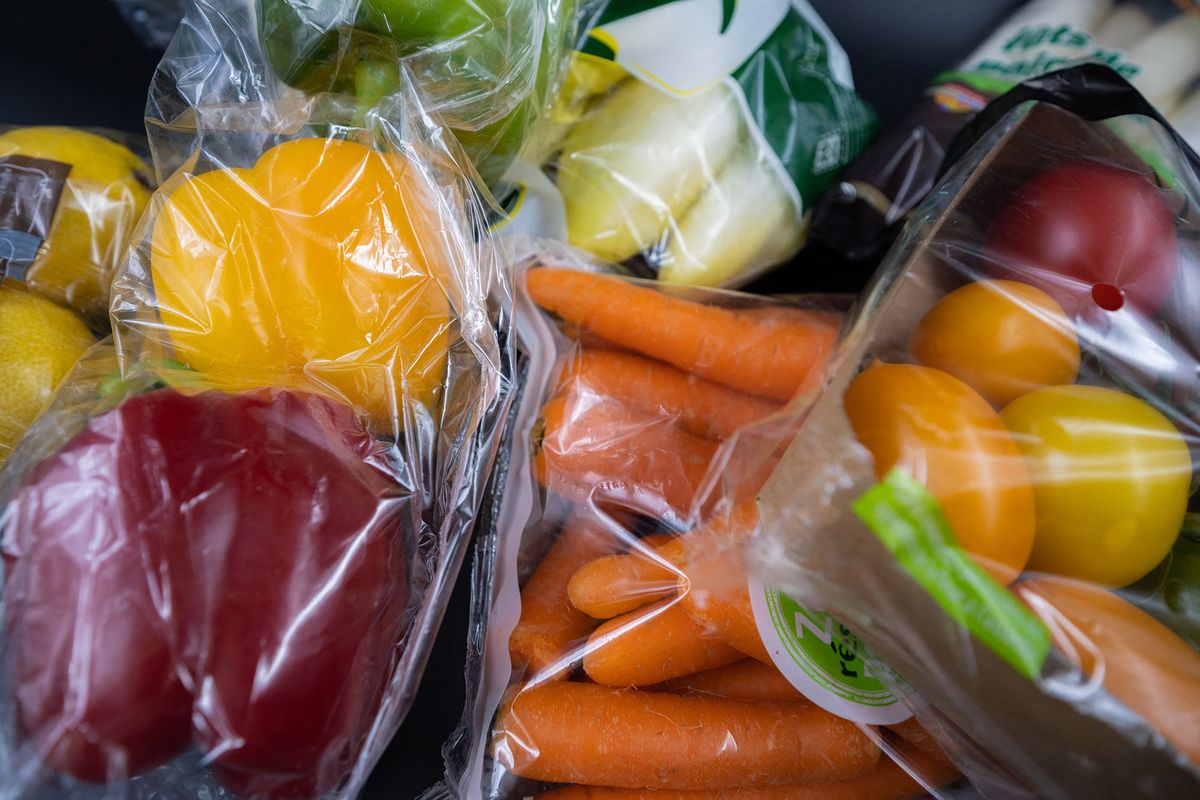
{"x": 630, "y": 663}
{"x": 232, "y": 534}
{"x": 689, "y": 138}
{"x": 1023, "y": 381}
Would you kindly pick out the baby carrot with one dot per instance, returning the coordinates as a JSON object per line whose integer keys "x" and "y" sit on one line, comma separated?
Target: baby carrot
{"x": 915, "y": 735}
{"x": 549, "y": 624}
{"x": 618, "y": 584}
{"x": 888, "y": 781}
{"x": 701, "y": 407}
{"x": 652, "y": 645}
{"x": 728, "y": 615}
{"x": 565, "y": 732}
{"x": 768, "y": 356}
{"x": 614, "y": 585}
{"x": 743, "y": 680}
{"x": 599, "y": 449}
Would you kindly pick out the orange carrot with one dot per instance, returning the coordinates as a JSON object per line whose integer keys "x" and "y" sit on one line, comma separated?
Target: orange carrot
{"x": 583, "y": 733}
{"x": 597, "y": 449}
{"x": 615, "y": 585}
{"x": 913, "y": 733}
{"x": 652, "y": 645}
{"x": 549, "y": 624}
{"x": 618, "y": 584}
{"x": 728, "y": 615}
{"x": 743, "y": 680}
{"x": 701, "y": 407}
{"x": 888, "y": 781}
{"x": 652, "y": 542}
{"x": 764, "y": 356}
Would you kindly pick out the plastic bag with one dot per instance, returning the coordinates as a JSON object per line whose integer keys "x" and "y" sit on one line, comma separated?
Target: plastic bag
{"x": 649, "y": 417}
{"x": 995, "y": 490}
{"x": 691, "y": 136}
{"x": 1153, "y": 43}
{"x": 486, "y": 67}
{"x": 69, "y": 200}
{"x": 229, "y": 543}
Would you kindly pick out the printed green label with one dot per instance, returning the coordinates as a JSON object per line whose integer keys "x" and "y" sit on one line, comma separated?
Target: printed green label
{"x": 910, "y": 523}
{"x": 824, "y": 660}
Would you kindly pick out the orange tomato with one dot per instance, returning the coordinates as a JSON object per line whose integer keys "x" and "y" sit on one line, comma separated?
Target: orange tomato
{"x": 1001, "y": 338}
{"x": 1139, "y": 660}
{"x": 318, "y": 268}
{"x": 947, "y": 437}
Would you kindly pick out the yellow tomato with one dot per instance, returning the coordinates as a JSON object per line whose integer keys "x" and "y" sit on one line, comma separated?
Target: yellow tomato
{"x": 1138, "y": 659}
{"x": 1002, "y": 338}
{"x": 946, "y": 436}
{"x": 1111, "y": 475}
{"x": 318, "y": 268}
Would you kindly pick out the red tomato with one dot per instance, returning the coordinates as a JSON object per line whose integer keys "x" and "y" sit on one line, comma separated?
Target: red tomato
{"x": 1092, "y": 235}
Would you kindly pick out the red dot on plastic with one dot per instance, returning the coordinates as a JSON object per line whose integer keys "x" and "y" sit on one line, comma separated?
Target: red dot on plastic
{"x": 1108, "y": 297}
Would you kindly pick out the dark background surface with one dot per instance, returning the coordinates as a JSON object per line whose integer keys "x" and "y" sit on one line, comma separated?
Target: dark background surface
{"x": 74, "y": 62}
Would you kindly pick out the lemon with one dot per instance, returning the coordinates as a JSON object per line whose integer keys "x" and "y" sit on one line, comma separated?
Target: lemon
{"x": 39, "y": 344}
{"x": 105, "y": 193}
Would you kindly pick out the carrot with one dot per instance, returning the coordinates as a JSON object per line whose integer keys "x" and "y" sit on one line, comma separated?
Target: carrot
{"x": 596, "y": 449}
{"x": 618, "y": 584}
{"x": 743, "y": 680}
{"x": 728, "y": 615}
{"x": 768, "y": 357}
{"x": 888, "y": 781}
{"x": 701, "y": 407}
{"x": 549, "y": 624}
{"x": 915, "y": 735}
{"x": 615, "y": 585}
{"x": 583, "y": 733}
{"x": 652, "y": 645}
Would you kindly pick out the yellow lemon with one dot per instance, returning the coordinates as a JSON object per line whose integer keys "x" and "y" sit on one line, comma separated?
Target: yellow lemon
{"x": 39, "y": 344}
{"x": 105, "y": 192}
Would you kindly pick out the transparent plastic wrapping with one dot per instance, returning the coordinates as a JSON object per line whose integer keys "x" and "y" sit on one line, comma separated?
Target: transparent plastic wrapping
{"x": 154, "y": 21}
{"x": 996, "y": 489}
{"x": 229, "y": 543}
{"x": 1153, "y": 43}
{"x": 486, "y": 67}
{"x": 69, "y": 201}
{"x": 690, "y": 138}
{"x": 614, "y": 652}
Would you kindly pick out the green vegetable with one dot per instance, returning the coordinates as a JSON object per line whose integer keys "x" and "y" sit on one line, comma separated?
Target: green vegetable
{"x": 1171, "y": 592}
{"x": 495, "y": 53}
{"x": 638, "y": 160}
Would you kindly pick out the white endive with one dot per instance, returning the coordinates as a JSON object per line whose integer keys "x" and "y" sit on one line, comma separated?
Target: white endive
{"x": 638, "y": 159}
{"x": 744, "y": 221}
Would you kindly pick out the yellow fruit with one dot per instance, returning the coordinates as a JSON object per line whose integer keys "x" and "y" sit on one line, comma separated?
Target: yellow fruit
{"x": 105, "y": 193}
{"x": 39, "y": 344}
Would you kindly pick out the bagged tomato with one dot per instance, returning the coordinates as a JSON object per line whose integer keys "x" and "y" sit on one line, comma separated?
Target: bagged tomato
{"x": 616, "y": 651}
{"x": 1002, "y": 509}
{"x": 229, "y": 543}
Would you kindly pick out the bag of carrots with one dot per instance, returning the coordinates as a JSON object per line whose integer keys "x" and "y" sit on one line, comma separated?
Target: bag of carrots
{"x": 617, "y": 654}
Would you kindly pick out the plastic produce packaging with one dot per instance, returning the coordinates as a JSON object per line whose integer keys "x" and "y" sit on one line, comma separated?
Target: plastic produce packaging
{"x": 996, "y": 490}
{"x": 614, "y": 652}
{"x": 154, "y": 21}
{"x": 1153, "y": 43}
{"x": 691, "y": 136}
{"x": 485, "y": 67}
{"x": 229, "y": 543}
{"x": 69, "y": 200}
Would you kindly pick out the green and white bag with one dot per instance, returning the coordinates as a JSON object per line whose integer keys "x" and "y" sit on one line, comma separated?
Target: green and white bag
{"x": 691, "y": 136}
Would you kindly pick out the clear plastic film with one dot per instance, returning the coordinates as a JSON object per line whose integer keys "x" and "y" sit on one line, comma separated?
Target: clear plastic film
{"x": 69, "y": 201}
{"x": 996, "y": 489}
{"x": 486, "y": 67}
{"x": 154, "y": 21}
{"x": 229, "y": 543}
{"x": 1153, "y": 43}
{"x": 614, "y": 650}
{"x": 690, "y": 138}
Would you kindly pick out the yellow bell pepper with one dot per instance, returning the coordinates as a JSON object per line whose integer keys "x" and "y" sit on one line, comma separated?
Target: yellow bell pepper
{"x": 319, "y": 268}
